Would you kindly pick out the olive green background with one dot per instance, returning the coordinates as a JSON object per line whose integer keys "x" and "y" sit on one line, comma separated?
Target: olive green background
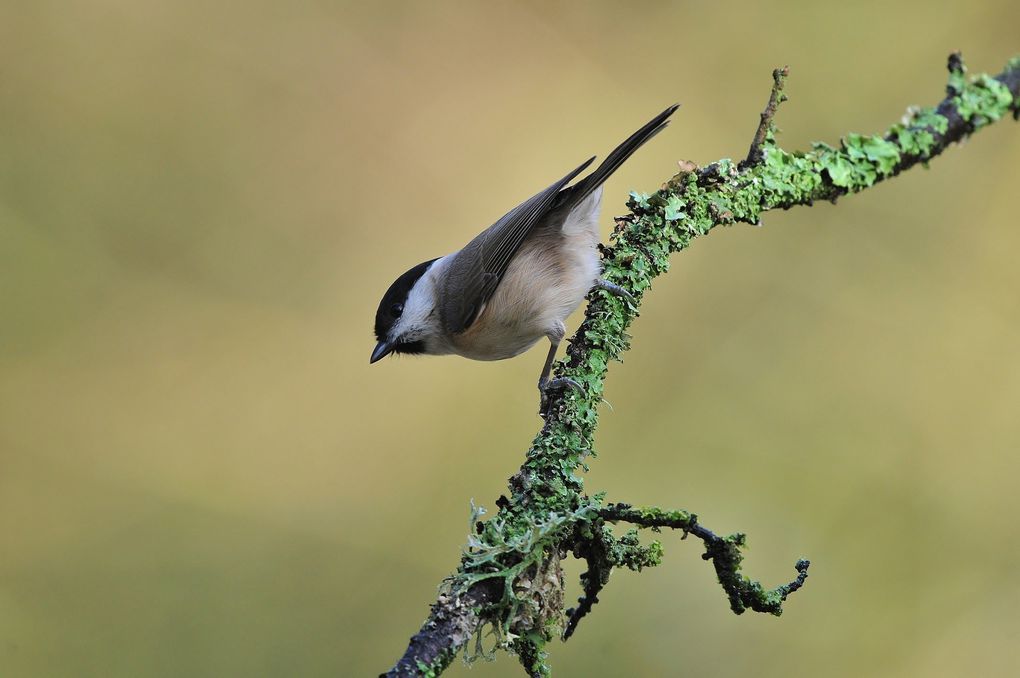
{"x": 201, "y": 203}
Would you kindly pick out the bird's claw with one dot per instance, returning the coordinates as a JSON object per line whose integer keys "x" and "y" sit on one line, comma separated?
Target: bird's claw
{"x": 615, "y": 290}
{"x": 549, "y": 386}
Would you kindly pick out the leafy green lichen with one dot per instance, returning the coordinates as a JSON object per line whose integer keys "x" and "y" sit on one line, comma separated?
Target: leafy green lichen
{"x": 983, "y": 100}
{"x": 928, "y": 118}
{"x": 427, "y": 671}
{"x": 913, "y": 140}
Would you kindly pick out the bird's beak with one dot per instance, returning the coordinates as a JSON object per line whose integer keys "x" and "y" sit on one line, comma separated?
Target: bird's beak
{"x": 382, "y": 349}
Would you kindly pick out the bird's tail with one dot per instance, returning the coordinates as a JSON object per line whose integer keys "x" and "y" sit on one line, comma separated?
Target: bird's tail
{"x": 586, "y": 186}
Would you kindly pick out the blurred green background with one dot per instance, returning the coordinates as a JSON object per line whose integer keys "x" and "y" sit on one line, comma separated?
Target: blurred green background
{"x": 201, "y": 203}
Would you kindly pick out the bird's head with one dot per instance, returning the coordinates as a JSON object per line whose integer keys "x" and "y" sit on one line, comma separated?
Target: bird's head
{"x": 407, "y": 314}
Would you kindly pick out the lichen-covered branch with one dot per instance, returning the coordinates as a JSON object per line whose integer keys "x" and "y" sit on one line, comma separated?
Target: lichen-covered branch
{"x": 508, "y": 590}
{"x": 724, "y": 552}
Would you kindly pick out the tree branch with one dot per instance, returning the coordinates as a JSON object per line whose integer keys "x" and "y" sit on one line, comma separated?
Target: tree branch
{"x": 509, "y": 579}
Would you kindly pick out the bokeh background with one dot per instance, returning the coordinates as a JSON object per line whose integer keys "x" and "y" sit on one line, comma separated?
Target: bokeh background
{"x": 201, "y": 203}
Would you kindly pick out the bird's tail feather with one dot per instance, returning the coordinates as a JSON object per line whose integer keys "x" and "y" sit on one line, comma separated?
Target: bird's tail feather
{"x": 586, "y": 186}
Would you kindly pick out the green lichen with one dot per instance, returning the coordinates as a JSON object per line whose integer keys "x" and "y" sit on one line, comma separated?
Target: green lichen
{"x": 426, "y": 671}
{"x": 674, "y": 208}
{"x": 983, "y": 100}
{"x": 858, "y": 163}
{"x": 913, "y": 140}
{"x": 653, "y": 516}
{"x": 630, "y": 553}
{"x": 928, "y": 118}
{"x": 532, "y": 656}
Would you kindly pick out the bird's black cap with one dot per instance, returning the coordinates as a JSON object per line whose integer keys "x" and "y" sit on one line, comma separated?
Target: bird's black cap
{"x": 390, "y": 309}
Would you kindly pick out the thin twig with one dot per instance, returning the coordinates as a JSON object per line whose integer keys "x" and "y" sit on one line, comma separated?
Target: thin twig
{"x": 765, "y": 126}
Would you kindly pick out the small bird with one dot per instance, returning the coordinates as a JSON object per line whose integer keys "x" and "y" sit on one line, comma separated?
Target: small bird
{"x": 515, "y": 282}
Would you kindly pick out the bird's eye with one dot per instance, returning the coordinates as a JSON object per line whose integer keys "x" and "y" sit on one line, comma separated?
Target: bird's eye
{"x": 396, "y": 309}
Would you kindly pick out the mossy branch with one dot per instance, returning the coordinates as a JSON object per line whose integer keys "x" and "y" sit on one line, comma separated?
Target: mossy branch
{"x": 510, "y": 581}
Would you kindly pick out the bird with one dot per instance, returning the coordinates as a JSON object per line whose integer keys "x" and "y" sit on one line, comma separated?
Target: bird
{"x": 514, "y": 283}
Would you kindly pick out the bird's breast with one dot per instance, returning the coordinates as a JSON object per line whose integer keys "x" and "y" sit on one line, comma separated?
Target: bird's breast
{"x": 544, "y": 284}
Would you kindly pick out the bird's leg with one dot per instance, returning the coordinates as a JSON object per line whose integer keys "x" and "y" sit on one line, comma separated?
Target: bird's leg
{"x": 615, "y": 289}
{"x": 545, "y": 384}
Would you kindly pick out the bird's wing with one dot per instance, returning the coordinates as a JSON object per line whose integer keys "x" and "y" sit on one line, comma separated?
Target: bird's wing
{"x": 475, "y": 271}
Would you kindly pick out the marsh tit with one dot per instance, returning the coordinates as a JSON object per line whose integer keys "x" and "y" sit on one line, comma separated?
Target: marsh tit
{"x": 516, "y": 282}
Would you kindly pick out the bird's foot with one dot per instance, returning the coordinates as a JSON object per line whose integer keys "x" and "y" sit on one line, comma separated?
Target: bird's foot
{"x": 614, "y": 289}
{"x": 546, "y": 387}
